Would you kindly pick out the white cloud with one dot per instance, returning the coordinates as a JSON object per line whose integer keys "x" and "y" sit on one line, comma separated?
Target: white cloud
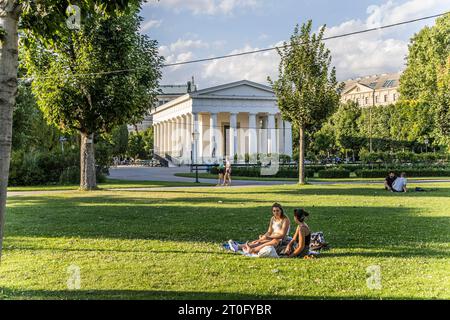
{"x": 359, "y": 55}
{"x": 181, "y": 45}
{"x": 147, "y": 25}
{"x": 254, "y": 67}
{"x": 381, "y": 51}
{"x": 392, "y": 12}
{"x": 207, "y": 7}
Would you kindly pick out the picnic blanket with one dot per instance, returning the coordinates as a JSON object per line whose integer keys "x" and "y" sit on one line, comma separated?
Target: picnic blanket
{"x": 317, "y": 243}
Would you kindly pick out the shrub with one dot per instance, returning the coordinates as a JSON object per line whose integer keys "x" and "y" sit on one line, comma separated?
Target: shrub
{"x": 70, "y": 175}
{"x": 42, "y": 168}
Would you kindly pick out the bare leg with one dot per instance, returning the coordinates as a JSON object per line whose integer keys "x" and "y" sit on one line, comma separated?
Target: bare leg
{"x": 253, "y": 244}
{"x": 273, "y": 242}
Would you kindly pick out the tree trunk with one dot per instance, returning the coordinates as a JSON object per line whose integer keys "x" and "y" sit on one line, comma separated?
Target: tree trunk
{"x": 88, "y": 180}
{"x": 8, "y": 88}
{"x": 301, "y": 156}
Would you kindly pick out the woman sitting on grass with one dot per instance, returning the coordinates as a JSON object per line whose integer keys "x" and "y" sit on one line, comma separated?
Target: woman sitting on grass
{"x": 275, "y": 236}
{"x": 302, "y": 236}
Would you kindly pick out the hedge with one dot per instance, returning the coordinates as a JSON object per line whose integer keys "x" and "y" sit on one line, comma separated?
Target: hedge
{"x": 283, "y": 172}
{"x": 334, "y": 173}
{"x": 409, "y": 173}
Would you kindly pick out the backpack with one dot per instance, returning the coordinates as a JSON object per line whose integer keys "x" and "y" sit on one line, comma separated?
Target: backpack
{"x": 318, "y": 241}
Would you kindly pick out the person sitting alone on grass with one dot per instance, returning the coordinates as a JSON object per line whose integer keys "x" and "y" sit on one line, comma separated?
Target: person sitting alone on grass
{"x": 389, "y": 181}
{"x": 275, "y": 236}
{"x": 299, "y": 245}
{"x": 399, "y": 184}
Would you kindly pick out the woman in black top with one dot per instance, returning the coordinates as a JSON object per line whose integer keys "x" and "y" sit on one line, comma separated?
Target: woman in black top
{"x": 302, "y": 236}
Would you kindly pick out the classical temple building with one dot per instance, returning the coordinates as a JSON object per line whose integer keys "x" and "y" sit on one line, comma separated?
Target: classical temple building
{"x": 236, "y": 121}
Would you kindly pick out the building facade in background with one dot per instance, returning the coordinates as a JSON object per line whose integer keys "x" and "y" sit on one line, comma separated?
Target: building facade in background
{"x": 376, "y": 90}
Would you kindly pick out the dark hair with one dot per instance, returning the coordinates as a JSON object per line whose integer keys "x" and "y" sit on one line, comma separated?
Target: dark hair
{"x": 277, "y": 205}
{"x": 300, "y": 214}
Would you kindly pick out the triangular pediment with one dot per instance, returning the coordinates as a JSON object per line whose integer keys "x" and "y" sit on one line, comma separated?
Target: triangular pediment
{"x": 242, "y": 88}
{"x": 358, "y": 88}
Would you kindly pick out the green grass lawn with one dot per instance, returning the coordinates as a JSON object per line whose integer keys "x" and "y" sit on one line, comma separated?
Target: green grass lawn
{"x": 167, "y": 244}
{"x": 111, "y": 184}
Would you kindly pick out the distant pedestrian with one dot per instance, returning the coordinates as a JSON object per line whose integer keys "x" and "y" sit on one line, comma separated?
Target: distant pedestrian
{"x": 227, "y": 177}
{"x": 221, "y": 174}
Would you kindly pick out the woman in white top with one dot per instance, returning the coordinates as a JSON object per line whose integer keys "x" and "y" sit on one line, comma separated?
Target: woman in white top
{"x": 278, "y": 231}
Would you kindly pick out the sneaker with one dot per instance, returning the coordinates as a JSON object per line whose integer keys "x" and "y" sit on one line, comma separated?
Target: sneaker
{"x": 233, "y": 246}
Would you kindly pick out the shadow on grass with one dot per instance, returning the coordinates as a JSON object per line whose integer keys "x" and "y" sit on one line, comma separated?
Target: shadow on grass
{"x": 391, "y": 252}
{"x": 330, "y": 190}
{"x": 6, "y": 293}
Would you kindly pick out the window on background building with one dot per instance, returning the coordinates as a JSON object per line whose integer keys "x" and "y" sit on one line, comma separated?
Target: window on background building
{"x": 367, "y": 100}
{"x": 358, "y": 101}
{"x": 385, "y": 98}
{"x": 394, "y": 97}
{"x": 388, "y": 83}
{"x": 376, "y": 99}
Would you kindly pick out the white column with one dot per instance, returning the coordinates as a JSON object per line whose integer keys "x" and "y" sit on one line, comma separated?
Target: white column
{"x": 163, "y": 138}
{"x": 213, "y": 136}
{"x": 233, "y": 135}
{"x": 195, "y": 129}
{"x": 167, "y": 138}
{"x": 264, "y": 137}
{"x": 179, "y": 137}
{"x": 190, "y": 125}
{"x": 252, "y": 140}
{"x": 280, "y": 135}
{"x": 219, "y": 139}
{"x": 184, "y": 137}
{"x": 287, "y": 138}
{"x": 272, "y": 134}
{"x": 156, "y": 136}
{"x": 201, "y": 131}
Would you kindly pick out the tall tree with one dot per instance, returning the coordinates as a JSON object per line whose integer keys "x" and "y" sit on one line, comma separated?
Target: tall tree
{"x": 442, "y": 103}
{"x": 49, "y": 19}
{"x": 346, "y": 127}
{"x": 74, "y": 91}
{"x": 427, "y": 74}
{"x": 307, "y": 89}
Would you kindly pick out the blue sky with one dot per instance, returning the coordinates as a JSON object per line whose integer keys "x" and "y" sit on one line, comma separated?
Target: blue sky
{"x": 194, "y": 29}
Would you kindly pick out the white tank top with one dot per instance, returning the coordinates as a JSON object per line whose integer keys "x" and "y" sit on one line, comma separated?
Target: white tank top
{"x": 277, "y": 227}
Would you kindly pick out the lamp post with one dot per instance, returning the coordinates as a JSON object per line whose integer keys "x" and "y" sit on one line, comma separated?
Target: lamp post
{"x": 62, "y": 139}
{"x": 195, "y": 136}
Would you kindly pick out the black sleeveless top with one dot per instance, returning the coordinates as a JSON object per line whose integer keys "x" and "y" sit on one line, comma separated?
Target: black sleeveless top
{"x": 307, "y": 239}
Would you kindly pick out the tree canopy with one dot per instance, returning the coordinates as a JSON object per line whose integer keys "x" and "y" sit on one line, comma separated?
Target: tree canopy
{"x": 427, "y": 75}
{"x": 306, "y": 88}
